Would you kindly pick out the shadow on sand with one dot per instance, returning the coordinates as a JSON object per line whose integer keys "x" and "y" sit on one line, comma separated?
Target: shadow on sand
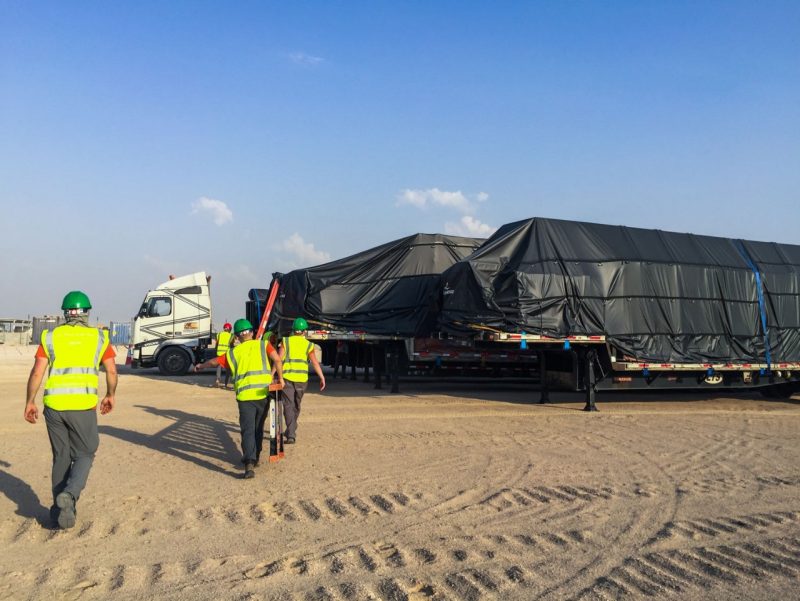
{"x": 20, "y": 492}
{"x": 522, "y": 391}
{"x": 195, "y": 438}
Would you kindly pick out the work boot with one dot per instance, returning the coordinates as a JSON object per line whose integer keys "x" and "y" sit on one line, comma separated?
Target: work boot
{"x": 66, "y": 505}
{"x": 248, "y": 471}
{"x": 288, "y": 440}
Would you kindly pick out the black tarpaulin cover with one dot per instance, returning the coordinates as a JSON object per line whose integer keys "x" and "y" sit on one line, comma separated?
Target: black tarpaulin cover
{"x": 391, "y": 289}
{"x": 657, "y": 296}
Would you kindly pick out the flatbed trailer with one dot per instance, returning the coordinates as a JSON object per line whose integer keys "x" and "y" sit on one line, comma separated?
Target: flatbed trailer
{"x": 579, "y": 363}
{"x": 591, "y": 363}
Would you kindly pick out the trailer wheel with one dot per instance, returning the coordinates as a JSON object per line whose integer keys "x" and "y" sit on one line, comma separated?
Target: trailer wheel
{"x": 173, "y": 362}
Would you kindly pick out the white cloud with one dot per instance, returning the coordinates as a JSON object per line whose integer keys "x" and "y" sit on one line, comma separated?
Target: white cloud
{"x": 422, "y": 199}
{"x": 415, "y": 198}
{"x": 303, "y": 252}
{"x": 301, "y": 58}
{"x": 216, "y": 209}
{"x": 469, "y": 226}
{"x": 243, "y": 273}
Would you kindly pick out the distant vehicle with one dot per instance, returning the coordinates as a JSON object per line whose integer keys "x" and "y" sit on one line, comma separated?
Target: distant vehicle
{"x": 173, "y": 327}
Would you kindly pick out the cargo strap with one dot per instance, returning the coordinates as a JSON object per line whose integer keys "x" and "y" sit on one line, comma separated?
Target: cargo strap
{"x": 761, "y": 305}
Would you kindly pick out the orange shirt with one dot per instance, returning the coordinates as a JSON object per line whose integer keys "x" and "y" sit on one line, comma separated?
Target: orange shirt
{"x": 223, "y": 359}
{"x": 109, "y": 354}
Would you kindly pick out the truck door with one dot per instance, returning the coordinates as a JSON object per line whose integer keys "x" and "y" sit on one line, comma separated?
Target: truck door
{"x": 158, "y": 317}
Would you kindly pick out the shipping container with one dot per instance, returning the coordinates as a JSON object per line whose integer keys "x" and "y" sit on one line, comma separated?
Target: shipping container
{"x": 46, "y": 322}
{"x": 120, "y": 332}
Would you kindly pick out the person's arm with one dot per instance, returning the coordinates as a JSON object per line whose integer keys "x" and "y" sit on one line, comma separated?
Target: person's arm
{"x": 213, "y": 362}
{"x": 312, "y": 356}
{"x": 107, "y": 404}
{"x": 277, "y": 365}
{"x": 31, "y": 413}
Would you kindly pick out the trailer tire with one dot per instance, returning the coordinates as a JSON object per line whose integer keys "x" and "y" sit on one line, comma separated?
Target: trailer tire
{"x": 173, "y": 362}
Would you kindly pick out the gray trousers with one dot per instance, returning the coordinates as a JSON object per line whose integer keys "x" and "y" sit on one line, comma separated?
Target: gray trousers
{"x": 74, "y": 441}
{"x": 252, "y": 415}
{"x": 292, "y": 397}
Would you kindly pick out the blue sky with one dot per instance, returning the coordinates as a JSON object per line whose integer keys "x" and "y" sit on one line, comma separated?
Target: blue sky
{"x": 141, "y": 139}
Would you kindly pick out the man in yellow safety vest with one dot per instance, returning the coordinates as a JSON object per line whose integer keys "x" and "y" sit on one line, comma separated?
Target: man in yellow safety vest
{"x": 73, "y": 352}
{"x": 296, "y": 352}
{"x": 249, "y": 363}
{"x": 223, "y": 344}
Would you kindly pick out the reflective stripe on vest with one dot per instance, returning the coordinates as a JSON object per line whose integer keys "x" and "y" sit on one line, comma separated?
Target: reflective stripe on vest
{"x": 251, "y": 371}
{"x": 74, "y": 354}
{"x": 295, "y": 363}
{"x": 223, "y": 342}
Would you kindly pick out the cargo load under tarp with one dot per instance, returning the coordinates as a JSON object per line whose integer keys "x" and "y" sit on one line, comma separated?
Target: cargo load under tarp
{"x": 391, "y": 289}
{"x": 654, "y": 295}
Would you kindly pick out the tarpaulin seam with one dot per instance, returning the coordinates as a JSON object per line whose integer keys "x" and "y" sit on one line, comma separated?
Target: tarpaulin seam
{"x": 761, "y": 305}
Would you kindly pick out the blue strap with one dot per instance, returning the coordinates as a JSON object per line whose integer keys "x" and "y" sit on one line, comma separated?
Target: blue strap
{"x": 258, "y": 308}
{"x": 761, "y": 306}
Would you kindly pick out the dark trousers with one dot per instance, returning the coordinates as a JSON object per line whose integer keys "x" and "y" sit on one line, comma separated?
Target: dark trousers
{"x": 252, "y": 415}
{"x": 340, "y": 359}
{"x": 292, "y": 397}
{"x": 220, "y": 372}
{"x": 74, "y": 441}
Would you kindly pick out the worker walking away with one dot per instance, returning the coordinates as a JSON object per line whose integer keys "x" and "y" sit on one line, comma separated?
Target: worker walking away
{"x": 223, "y": 345}
{"x": 74, "y": 353}
{"x": 251, "y": 370}
{"x": 296, "y": 352}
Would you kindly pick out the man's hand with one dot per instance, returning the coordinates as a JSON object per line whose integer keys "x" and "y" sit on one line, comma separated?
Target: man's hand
{"x": 107, "y": 404}
{"x": 322, "y": 383}
{"x": 31, "y": 412}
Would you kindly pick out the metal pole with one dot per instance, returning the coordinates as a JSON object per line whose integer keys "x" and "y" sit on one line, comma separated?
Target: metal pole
{"x": 545, "y": 397}
{"x": 590, "y": 382}
{"x": 394, "y": 368}
{"x": 377, "y": 359}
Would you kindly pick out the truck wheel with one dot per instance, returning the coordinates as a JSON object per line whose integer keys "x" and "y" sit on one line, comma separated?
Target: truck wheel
{"x": 173, "y": 362}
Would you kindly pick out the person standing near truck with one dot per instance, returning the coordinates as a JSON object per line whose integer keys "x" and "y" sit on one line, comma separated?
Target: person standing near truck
{"x": 341, "y": 358}
{"x": 296, "y": 352}
{"x": 73, "y": 352}
{"x": 249, "y": 363}
{"x": 223, "y": 345}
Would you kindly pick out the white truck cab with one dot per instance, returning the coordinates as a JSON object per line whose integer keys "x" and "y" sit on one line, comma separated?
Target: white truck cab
{"x": 173, "y": 327}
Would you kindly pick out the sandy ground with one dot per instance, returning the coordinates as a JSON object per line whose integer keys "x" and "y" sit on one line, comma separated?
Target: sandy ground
{"x": 444, "y": 491}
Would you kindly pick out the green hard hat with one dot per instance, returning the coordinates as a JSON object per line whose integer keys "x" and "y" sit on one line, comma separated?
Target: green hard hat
{"x": 300, "y": 325}
{"x": 76, "y": 300}
{"x": 241, "y": 325}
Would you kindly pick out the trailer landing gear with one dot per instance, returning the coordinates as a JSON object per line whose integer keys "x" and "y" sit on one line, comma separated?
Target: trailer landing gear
{"x": 545, "y": 396}
{"x": 590, "y": 382}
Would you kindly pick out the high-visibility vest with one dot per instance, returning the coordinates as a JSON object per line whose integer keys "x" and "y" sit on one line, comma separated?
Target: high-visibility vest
{"x": 74, "y": 354}
{"x": 223, "y": 342}
{"x": 250, "y": 369}
{"x": 295, "y": 358}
